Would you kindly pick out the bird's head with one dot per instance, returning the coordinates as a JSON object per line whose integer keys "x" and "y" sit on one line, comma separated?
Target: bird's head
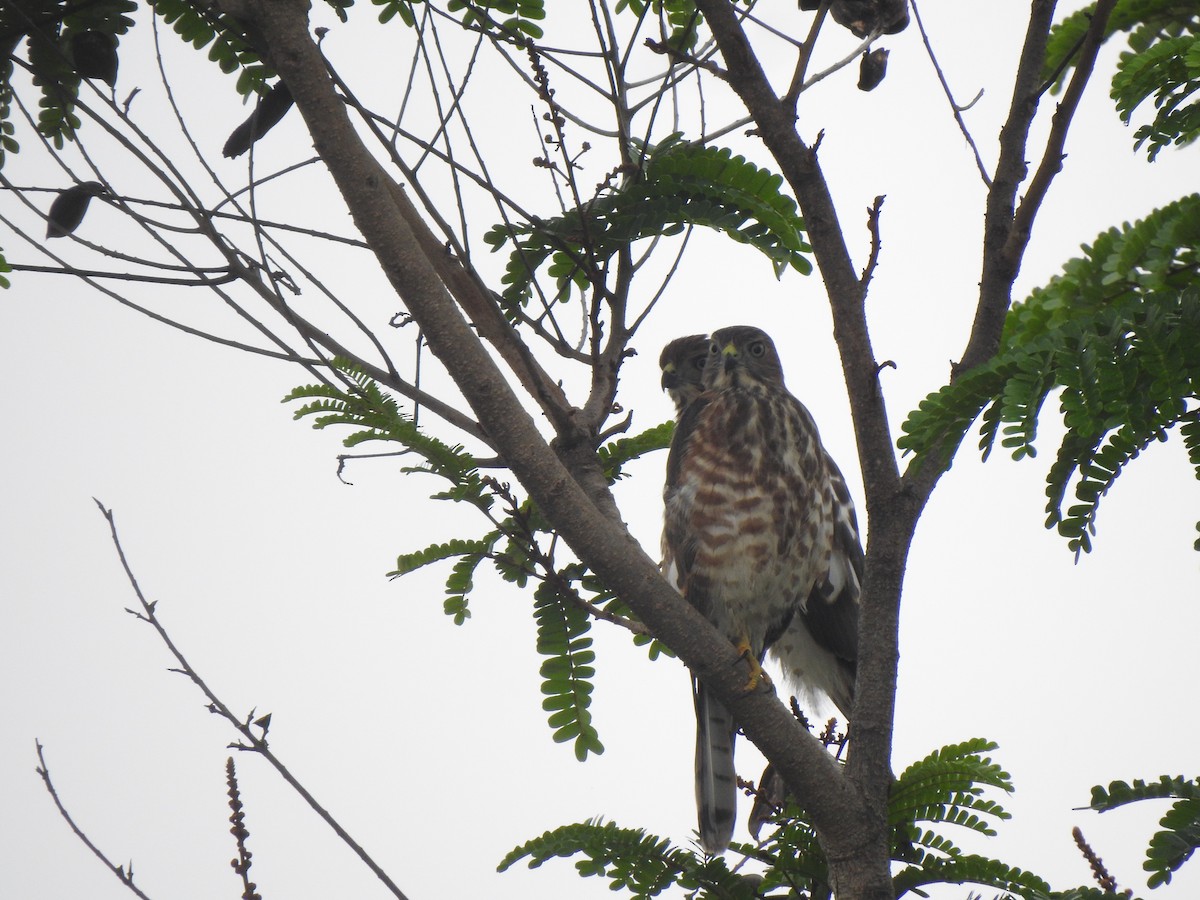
{"x": 682, "y": 365}
{"x": 741, "y": 356}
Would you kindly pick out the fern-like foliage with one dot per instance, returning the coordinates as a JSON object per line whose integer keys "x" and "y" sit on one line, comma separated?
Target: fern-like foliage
{"x": 1171, "y": 847}
{"x": 680, "y": 184}
{"x": 513, "y": 19}
{"x": 947, "y": 787}
{"x": 511, "y": 544}
{"x": 616, "y": 454}
{"x": 633, "y": 861}
{"x": 1163, "y": 62}
{"x": 1141, "y": 20}
{"x": 461, "y": 581}
{"x": 377, "y": 416}
{"x": 562, "y": 628}
{"x": 1118, "y": 333}
{"x": 944, "y": 788}
{"x": 49, "y": 27}
{"x": 1169, "y": 71}
{"x": 229, "y": 46}
{"x": 680, "y": 19}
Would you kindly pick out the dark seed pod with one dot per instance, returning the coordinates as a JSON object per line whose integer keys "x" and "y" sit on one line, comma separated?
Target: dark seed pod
{"x": 70, "y": 206}
{"x": 864, "y": 17}
{"x": 872, "y": 69}
{"x": 95, "y": 56}
{"x": 267, "y": 113}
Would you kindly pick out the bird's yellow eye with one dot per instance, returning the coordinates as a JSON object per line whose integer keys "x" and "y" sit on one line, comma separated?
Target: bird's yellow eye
{"x": 758, "y": 348}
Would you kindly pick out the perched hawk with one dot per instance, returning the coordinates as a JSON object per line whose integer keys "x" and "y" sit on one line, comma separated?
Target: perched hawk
{"x": 682, "y": 365}
{"x": 759, "y": 535}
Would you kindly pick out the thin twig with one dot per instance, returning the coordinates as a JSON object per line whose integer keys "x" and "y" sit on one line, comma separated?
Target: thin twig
{"x": 251, "y": 742}
{"x": 955, "y": 107}
{"x": 876, "y": 243}
{"x": 792, "y": 96}
{"x": 125, "y": 877}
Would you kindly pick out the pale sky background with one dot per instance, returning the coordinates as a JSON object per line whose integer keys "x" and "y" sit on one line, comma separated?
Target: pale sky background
{"x": 428, "y": 741}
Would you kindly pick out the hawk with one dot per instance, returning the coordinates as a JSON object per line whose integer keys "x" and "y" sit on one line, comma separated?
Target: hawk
{"x": 759, "y": 535}
{"x": 682, "y": 365}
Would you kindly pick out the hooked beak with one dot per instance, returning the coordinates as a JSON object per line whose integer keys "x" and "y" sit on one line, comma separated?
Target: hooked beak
{"x": 730, "y": 358}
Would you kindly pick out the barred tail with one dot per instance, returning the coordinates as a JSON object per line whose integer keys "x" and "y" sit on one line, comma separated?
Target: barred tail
{"x": 716, "y": 780}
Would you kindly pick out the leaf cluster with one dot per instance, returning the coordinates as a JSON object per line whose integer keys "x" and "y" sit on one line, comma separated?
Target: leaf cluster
{"x": 230, "y": 45}
{"x": 680, "y": 184}
{"x": 947, "y": 787}
{"x": 514, "y": 19}
{"x": 633, "y": 861}
{"x": 519, "y": 544}
{"x": 1163, "y": 62}
{"x": 1168, "y": 71}
{"x": 1171, "y": 847}
{"x": 50, "y": 29}
{"x": 1117, "y": 334}
{"x": 680, "y": 18}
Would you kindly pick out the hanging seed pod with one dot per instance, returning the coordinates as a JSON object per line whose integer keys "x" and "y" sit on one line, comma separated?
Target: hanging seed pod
{"x": 267, "y": 113}
{"x": 95, "y": 56}
{"x": 872, "y": 69}
{"x": 70, "y": 206}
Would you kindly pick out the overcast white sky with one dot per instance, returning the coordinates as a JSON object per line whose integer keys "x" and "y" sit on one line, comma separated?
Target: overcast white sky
{"x": 428, "y": 741}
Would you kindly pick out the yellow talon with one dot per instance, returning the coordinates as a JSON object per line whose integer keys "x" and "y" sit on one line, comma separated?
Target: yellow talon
{"x": 757, "y": 674}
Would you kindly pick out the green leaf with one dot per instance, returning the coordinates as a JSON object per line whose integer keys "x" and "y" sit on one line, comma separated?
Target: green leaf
{"x": 567, "y": 671}
{"x": 679, "y": 184}
{"x": 1171, "y": 847}
{"x": 1117, "y": 336}
{"x": 615, "y": 454}
{"x": 1163, "y": 62}
{"x": 641, "y": 864}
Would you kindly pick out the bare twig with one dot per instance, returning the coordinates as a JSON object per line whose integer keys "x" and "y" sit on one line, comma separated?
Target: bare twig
{"x": 678, "y": 56}
{"x": 124, "y": 875}
{"x": 252, "y": 742}
{"x": 955, "y": 107}
{"x": 792, "y": 96}
{"x": 876, "y": 243}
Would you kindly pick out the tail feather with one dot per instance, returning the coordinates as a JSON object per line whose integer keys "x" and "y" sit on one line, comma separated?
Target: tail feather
{"x": 716, "y": 780}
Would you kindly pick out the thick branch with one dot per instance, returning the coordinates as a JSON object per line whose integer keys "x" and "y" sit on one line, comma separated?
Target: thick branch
{"x": 596, "y": 538}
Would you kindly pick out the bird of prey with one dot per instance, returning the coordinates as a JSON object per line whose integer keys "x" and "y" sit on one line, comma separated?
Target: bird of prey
{"x": 759, "y": 536}
{"x": 682, "y": 365}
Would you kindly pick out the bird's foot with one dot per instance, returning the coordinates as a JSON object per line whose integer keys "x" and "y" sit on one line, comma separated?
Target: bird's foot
{"x": 757, "y": 675}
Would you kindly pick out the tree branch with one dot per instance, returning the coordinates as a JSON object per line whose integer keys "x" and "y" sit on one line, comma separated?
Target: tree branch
{"x": 954, "y": 107}
{"x": 125, "y": 877}
{"x": 253, "y": 742}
